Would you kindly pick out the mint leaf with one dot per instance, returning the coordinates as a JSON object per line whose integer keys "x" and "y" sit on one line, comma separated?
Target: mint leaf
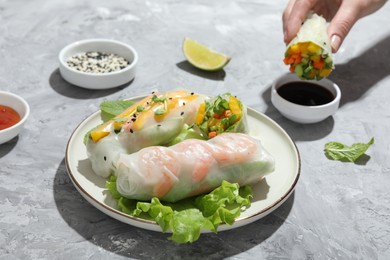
{"x": 342, "y": 152}
{"x": 112, "y": 108}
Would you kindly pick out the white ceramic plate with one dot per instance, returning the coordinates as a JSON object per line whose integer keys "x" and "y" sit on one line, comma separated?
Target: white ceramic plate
{"x": 269, "y": 194}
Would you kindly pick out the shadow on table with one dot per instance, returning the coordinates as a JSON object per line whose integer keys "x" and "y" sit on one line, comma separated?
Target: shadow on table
{"x": 64, "y": 88}
{"x": 212, "y": 75}
{"x": 7, "y": 147}
{"x": 354, "y": 78}
{"x": 361, "y": 73}
{"x": 130, "y": 241}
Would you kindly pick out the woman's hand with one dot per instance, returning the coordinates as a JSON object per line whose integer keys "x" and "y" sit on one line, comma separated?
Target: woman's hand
{"x": 342, "y": 15}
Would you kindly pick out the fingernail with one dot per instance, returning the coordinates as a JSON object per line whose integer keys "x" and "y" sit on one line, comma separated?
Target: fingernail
{"x": 335, "y": 42}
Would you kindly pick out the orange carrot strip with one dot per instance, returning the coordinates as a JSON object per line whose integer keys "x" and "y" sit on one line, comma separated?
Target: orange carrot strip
{"x": 212, "y": 134}
{"x": 298, "y": 60}
{"x": 318, "y": 64}
{"x": 217, "y": 116}
{"x": 289, "y": 60}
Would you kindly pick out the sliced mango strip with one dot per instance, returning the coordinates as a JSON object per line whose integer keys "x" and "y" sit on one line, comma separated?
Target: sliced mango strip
{"x": 158, "y": 111}
{"x": 235, "y": 107}
{"x": 104, "y": 129}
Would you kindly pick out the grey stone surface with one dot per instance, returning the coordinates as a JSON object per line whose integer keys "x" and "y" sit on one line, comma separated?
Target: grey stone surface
{"x": 338, "y": 210}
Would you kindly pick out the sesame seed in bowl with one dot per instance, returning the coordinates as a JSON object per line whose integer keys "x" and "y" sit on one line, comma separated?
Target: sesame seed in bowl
{"x": 98, "y": 63}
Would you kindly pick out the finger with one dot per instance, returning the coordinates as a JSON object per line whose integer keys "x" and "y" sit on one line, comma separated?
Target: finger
{"x": 341, "y": 24}
{"x": 297, "y": 14}
{"x": 286, "y": 15}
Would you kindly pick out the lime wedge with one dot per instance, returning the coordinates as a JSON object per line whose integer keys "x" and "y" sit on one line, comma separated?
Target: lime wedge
{"x": 202, "y": 57}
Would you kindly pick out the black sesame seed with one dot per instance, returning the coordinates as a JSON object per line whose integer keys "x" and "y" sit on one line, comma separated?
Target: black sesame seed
{"x": 97, "y": 62}
{"x": 131, "y": 131}
{"x": 182, "y": 113}
{"x": 105, "y": 158}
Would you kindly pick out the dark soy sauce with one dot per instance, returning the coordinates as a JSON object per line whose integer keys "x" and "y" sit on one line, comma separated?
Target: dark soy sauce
{"x": 305, "y": 93}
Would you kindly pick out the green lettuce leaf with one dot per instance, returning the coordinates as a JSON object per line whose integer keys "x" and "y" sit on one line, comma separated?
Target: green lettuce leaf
{"x": 214, "y": 205}
{"x": 186, "y": 133}
{"x": 186, "y": 218}
{"x": 342, "y": 152}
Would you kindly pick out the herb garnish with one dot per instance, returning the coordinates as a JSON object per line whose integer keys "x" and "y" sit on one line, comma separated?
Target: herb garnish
{"x": 342, "y": 152}
{"x": 112, "y": 108}
{"x": 156, "y": 99}
{"x": 160, "y": 112}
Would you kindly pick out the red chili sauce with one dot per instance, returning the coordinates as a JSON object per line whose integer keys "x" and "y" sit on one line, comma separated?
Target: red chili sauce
{"x": 8, "y": 117}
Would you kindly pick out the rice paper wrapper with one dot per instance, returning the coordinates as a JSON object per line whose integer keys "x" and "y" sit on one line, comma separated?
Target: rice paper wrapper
{"x": 241, "y": 126}
{"x": 192, "y": 167}
{"x": 314, "y": 29}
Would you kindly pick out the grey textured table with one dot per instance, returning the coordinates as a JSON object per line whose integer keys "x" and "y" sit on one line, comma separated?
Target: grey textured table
{"x": 338, "y": 210}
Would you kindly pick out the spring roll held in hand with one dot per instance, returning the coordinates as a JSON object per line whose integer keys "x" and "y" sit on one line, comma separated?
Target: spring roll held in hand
{"x": 192, "y": 167}
{"x": 309, "y": 54}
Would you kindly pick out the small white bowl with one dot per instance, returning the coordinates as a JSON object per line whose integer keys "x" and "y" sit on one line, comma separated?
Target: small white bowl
{"x": 305, "y": 114}
{"x": 19, "y": 105}
{"x": 98, "y": 80}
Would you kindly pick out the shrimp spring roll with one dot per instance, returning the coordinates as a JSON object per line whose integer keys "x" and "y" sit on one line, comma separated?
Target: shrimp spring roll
{"x": 192, "y": 167}
{"x": 223, "y": 113}
{"x": 309, "y": 54}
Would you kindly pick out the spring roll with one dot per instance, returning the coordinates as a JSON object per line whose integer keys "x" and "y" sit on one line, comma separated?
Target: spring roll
{"x": 309, "y": 54}
{"x": 223, "y": 113}
{"x": 154, "y": 120}
{"x": 160, "y": 121}
{"x": 192, "y": 167}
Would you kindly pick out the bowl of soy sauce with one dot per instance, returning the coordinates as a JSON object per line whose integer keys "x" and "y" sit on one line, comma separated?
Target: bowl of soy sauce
{"x": 305, "y": 101}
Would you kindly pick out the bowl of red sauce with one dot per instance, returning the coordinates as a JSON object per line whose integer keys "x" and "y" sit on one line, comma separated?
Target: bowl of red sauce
{"x": 305, "y": 101}
{"x": 14, "y": 112}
